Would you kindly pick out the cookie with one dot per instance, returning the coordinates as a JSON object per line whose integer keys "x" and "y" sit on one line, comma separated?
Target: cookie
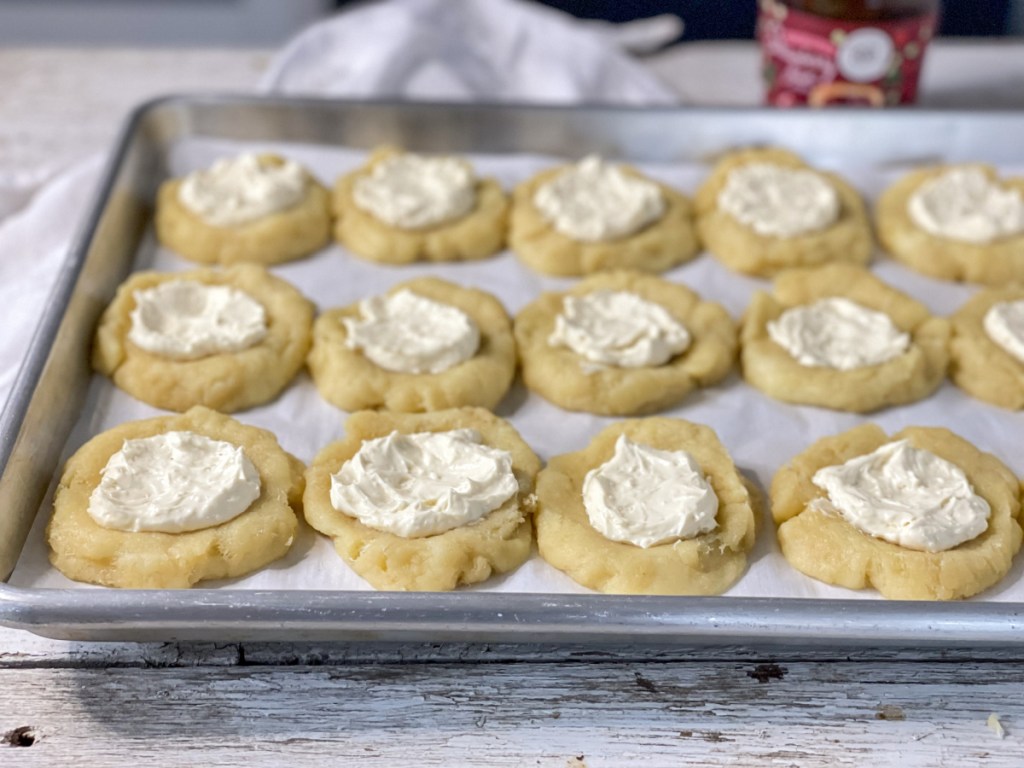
{"x": 742, "y": 248}
{"x": 905, "y": 378}
{"x": 572, "y": 382}
{"x": 475, "y": 234}
{"x": 292, "y": 232}
{"x": 225, "y": 381}
{"x": 669, "y": 239}
{"x": 706, "y": 564}
{"x": 496, "y": 543}
{"x": 996, "y": 262}
{"x": 83, "y": 550}
{"x": 828, "y": 548}
{"x": 349, "y": 379}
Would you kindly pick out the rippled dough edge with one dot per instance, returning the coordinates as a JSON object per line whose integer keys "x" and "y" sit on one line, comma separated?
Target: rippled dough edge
{"x": 905, "y": 379}
{"x": 83, "y": 550}
{"x": 662, "y": 244}
{"x": 227, "y": 382}
{"x": 557, "y": 375}
{"x": 742, "y": 249}
{"x": 477, "y": 235}
{"x": 705, "y": 565}
{"x": 978, "y": 365}
{"x": 350, "y": 380}
{"x": 827, "y": 548}
{"x": 996, "y": 263}
{"x": 279, "y": 237}
{"x": 497, "y": 543}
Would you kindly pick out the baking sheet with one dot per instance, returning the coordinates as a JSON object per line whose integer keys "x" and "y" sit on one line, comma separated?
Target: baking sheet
{"x": 760, "y": 433}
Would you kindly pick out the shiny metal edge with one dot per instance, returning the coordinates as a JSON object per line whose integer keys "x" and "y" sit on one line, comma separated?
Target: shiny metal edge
{"x": 202, "y": 614}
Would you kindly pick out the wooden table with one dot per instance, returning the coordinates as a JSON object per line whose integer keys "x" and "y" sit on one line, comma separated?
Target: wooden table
{"x": 65, "y": 703}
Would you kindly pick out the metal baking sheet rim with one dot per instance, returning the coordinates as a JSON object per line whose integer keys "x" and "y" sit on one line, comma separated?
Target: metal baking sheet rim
{"x": 235, "y": 615}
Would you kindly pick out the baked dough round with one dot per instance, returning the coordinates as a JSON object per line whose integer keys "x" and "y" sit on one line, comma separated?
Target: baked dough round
{"x": 996, "y": 263}
{"x": 228, "y": 381}
{"x": 978, "y": 365}
{"x": 742, "y": 249}
{"x": 904, "y": 379}
{"x": 570, "y": 381}
{"x": 827, "y": 548}
{"x": 350, "y": 380}
{"x": 477, "y": 235}
{"x": 707, "y": 564}
{"x": 282, "y": 236}
{"x": 83, "y": 550}
{"x": 664, "y": 243}
{"x": 496, "y": 543}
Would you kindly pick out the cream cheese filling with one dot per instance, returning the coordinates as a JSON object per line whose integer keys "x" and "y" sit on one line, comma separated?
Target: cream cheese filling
{"x": 173, "y": 483}
{"x": 242, "y": 189}
{"x": 593, "y": 201}
{"x": 776, "y": 201}
{"x": 619, "y": 328}
{"x": 1004, "y": 324}
{"x": 905, "y": 495}
{"x": 963, "y": 204}
{"x": 410, "y": 191}
{"x": 645, "y": 496}
{"x": 407, "y": 333}
{"x": 424, "y": 483}
{"x": 187, "y": 320}
{"x": 838, "y": 333}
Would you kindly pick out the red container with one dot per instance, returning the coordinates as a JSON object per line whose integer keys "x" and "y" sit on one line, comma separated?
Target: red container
{"x": 857, "y": 52}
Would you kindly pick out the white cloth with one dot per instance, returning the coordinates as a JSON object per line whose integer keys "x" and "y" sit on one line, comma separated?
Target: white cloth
{"x": 487, "y": 50}
{"x": 33, "y": 244}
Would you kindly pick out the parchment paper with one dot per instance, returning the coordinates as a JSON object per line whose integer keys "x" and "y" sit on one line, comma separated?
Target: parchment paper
{"x": 761, "y": 434}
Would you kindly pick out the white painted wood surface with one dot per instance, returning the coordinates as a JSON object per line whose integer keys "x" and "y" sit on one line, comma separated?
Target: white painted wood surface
{"x": 592, "y": 714}
{"x": 463, "y": 705}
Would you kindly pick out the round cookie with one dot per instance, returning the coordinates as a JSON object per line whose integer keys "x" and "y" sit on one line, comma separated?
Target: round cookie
{"x": 996, "y": 263}
{"x": 662, "y": 244}
{"x": 978, "y": 365}
{"x": 278, "y": 237}
{"x": 707, "y": 564}
{"x": 228, "y": 381}
{"x": 83, "y": 550}
{"x": 570, "y": 381}
{"x": 477, "y": 235}
{"x": 826, "y": 547}
{"x": 904, "y": 379}
{"x": 497, "y": 543}
{"x": 350, "y": 380}
{"x": 742, "y": 249}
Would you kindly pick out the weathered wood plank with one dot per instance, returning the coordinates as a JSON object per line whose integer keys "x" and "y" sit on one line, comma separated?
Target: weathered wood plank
{"x": 611, "y": 714}
{"x": 32, "y": 652}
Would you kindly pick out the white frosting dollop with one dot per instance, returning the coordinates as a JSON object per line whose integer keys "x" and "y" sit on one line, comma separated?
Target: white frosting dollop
{"x": 618, "y": 328}
{"x": 186, "y": 320}
{"x": 411, "y": 191}
{"x": 962, "y": 203}
{"x": 241, "y": 189}
{"x": 838, "y": 333}
{"x": 905, "y": 495}
{"x": 776, "y": 201}
{"x": 593, "y": 200}
{"x": 407, "y": 333}
{"x": 425, "y": 483}
{"x": 174, "y": 482}
{"x": 646, "y": 496}
{"x": 1004, "y": 324}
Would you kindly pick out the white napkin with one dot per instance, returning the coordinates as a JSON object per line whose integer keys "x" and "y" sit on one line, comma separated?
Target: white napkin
{"x": 486, "y": 50}
{"x": 33, "y": 244}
